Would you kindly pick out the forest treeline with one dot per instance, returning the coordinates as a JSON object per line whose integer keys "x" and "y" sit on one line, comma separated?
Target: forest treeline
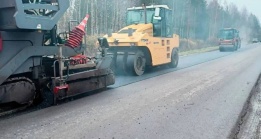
{"x": 194, "y": 19}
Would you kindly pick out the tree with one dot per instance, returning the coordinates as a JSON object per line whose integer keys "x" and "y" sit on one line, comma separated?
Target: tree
{"x": 195, "y": 19}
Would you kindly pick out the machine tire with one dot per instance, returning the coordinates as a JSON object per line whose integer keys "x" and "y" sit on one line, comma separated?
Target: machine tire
{"x": 113, "y": 63}
{"x": 136, "y": 63}
{"x": 174, "y": 59}
{"x": 221, "y": 49}
{"x": 236, "y": 47}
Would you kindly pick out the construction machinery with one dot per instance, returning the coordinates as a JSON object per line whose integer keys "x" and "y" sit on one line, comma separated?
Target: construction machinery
{"x": 147, "y": 40}
{"x": 255, "y": 40}
{"x": 229, "y": 39}
{"x": 36, "y": 62}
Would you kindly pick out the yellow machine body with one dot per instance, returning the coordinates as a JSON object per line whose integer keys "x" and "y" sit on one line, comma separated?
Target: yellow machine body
{"x": 160, "y": 48}
{"x": 147, "y": 40}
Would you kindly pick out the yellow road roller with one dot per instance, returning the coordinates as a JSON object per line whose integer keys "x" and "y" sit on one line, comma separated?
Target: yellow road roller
{"x": 147, "y": 40}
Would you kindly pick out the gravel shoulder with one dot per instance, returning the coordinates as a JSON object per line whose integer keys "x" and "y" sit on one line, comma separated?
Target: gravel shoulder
{"x": 249, "y": 123}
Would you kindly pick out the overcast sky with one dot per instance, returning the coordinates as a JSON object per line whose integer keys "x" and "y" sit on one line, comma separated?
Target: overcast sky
{"x": 253, "y": 6}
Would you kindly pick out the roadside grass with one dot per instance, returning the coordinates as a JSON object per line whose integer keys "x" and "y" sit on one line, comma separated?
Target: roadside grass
{"x": 196, "y": 51}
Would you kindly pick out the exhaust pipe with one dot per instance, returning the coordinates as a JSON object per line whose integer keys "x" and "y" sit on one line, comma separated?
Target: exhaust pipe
{"x": 145, "y": 12}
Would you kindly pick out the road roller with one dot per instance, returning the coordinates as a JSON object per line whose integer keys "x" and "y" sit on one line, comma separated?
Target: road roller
{"x": 146, "y": 42}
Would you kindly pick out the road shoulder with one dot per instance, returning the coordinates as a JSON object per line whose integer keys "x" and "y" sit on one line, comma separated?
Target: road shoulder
{"x": 249, "y": 121}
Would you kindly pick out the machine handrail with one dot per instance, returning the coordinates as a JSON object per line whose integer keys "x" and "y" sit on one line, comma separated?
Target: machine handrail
{"x": 18, "y": 18}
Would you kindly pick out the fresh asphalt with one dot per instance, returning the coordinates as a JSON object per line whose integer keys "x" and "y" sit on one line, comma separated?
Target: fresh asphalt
{"x": 184, "y": 62}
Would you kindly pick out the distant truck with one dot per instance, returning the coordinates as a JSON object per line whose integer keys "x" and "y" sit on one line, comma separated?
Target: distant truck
{"x": 229, "y": 39}
{"x": 255, "y": 40}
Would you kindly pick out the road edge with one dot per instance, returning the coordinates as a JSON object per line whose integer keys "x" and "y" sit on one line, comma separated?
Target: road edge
{"x": 244, "y": 112}
{"x": 198, "y": 51}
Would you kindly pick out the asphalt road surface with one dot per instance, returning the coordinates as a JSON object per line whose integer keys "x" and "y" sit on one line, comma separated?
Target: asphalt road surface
{"x": 184, "y": 62}
{"x": 202, "y": 98}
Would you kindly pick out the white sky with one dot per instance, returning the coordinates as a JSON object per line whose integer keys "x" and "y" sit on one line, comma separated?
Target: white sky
{"x": 253, "y": 6}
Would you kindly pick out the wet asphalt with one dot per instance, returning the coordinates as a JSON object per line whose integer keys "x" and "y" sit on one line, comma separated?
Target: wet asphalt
{"x": 202, "y": 98}
{"x": 184, "y": 62}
